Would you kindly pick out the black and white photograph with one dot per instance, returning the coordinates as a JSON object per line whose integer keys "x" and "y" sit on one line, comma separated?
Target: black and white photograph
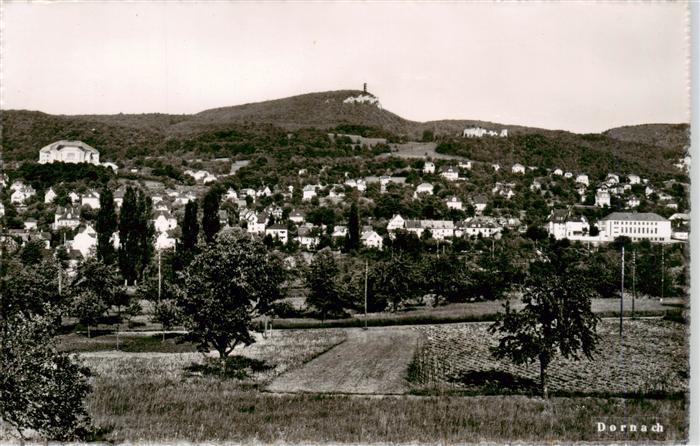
{"x": 356, "y": 222}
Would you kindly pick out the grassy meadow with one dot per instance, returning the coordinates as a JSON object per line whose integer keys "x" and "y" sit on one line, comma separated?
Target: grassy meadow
{"x": 155, "y": 397}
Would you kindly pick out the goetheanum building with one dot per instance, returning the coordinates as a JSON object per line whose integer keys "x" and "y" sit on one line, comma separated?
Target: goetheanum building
{"x": 69, "y": 152}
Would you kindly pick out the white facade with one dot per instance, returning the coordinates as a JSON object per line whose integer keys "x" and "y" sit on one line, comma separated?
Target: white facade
{"x": 450, "y": 173}
{"x": 85, "y": 241}
{"x": 582, "y": 179}
{"x": 308, "y": 193}
{"x": 278, "y": 232}
{"x": 424, "y": 188}
{"x": 371, "y": 239}
{"x": 69, "y": 152}
{"x": 91, "y": 199}
{"x": 454, "y": 203}
{"x": 164, "y": 222}
{"x": 49, "y": 196}
{"x": 602, "y": 198}
{"x": 517, "y": 168}
{"x": 636, "y": 226}
{"x": 396, "y": 222}
{"x": 429, "y": 167}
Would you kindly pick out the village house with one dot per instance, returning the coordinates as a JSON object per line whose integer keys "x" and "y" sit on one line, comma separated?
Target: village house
{"x": 558, "y": 172}
{"x": 480, "y": 226}
{"x": 119, "y": 196}
{"x": 439, "y": 229}
{"x": 309, "y": 192}
{"x": 612, "y": 179}
{"x": 306, "y": 238}
{"x": 30, "y": 224}
{"x": 297, "y": 217}
{"x": 20, "y": 195}
{"x": 465, "y": 165}
{"x": 633, "y": 179}
{"x": 50, "y": 196}
{"x": 85, "y": 241}
{"x": 637, "y": 226}
{"x": 568, "y": 175}
{"x": 536, "y": 185}
{"x": 582, "y": 179}
{"x": 517, "y": 168}
{"x": 74, "y": 197}
{"x": 163, "y": 221}
{"x": 429, "y": 167}
{"x": 602, "y": 197}
{"x": 277, "y": 232}
{"x": 496, "y": 167}
{"x": 165, "y": 241}
{"x": 91, "y": 199}
{"x": 633, "y": 202}
{"x": 2, "y": 209}
{"x": 396, "y": 222}
{"x": 480, "y": 202}
{"x": 257, "y": 226}
{"x": 66, "y": 218}
{"x": 202, "y": 176}
{"x": 69, "y": 152}
{"x": 504, "y": 190}
{"x": 454, "y": 203}
{"x": 339, "y": 231}
{"x": 372, "y": 240}
{"x": 231, "y": 195}
{"x": 450, "y": 173}
{"x": 423, "y": 188}
{"x": 563, "y": 224}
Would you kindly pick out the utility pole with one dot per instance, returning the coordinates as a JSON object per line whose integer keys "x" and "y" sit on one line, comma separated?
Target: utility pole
{"x": 160, "y": 279}
{"x": 662, "y": 271}
{"x": 634, "y": 279}
{"x": 366, "y": 270}
{"x": 622, "y": 288}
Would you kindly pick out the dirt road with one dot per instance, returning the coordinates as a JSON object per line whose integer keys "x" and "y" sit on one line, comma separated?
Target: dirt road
{"x": 368, "y": 362}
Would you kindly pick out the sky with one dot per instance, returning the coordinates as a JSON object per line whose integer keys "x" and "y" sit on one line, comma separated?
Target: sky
{"x": 576, "y": 66}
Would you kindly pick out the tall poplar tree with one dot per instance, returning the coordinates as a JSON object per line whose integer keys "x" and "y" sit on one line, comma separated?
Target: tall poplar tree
{"x": 210, "y": 215}
{"x": 187, "y": 245}
{"x": 128, "y": 238}
{"x": 105, "y": 225}
{"x": 144, "y": 232}
{"x": 354, "y": 227}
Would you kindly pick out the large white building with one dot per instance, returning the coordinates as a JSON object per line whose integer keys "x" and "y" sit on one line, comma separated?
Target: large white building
{"x": 637, "y": 226}
{"x": 69, "y": 152}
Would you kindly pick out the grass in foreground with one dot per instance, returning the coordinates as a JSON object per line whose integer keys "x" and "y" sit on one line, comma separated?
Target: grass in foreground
{"x": 140, "y": 409}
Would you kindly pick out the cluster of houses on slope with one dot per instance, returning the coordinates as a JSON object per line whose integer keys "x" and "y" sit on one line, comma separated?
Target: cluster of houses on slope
{"x": 562, "y": 223}
{"x": 478, "y": 132}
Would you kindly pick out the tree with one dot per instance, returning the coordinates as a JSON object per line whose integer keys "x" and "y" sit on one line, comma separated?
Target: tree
{"x": 353, "y": 240}
{"x": 187, "y": 245}
{"x": 30, "y": 289}
{"x": 42, "y": 389}
{"x": 128, "y": 237}
{"x": 393, "y": 281}
{"x": 327, "y": 293}
{"x": 32, "y": 252}
{"x": 556, "y": 318}
{"x": 210, "y": 215}
{"x": 95, "y": 289}
{"x": 105, "y": 225}
{"x": 144, "y": 232}
{"x": 228, "y": 284}
{"x": 135, "y": 234}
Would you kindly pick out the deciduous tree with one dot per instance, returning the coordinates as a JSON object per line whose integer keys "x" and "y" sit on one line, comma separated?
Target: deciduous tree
{"x": 226, "y": 286}
{"x": 556, "y": 319}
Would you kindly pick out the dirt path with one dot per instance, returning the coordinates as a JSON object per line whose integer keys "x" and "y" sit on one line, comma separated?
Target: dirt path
{"x": 368, "y": 362}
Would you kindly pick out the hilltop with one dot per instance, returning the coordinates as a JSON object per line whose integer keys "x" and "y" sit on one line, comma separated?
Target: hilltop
{"x": 262, "y": 126}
